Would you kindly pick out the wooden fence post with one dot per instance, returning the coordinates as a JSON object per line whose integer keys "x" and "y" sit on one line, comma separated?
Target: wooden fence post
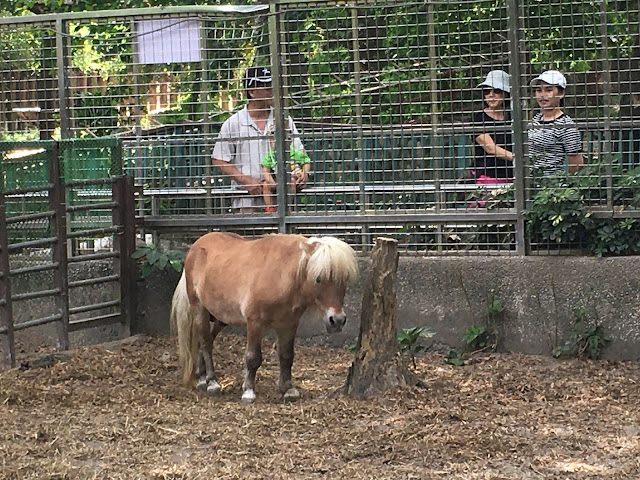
{"x": 378, "y": 365}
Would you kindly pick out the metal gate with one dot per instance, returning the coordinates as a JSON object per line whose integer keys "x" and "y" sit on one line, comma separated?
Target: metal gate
{"x": 57, "y": 199}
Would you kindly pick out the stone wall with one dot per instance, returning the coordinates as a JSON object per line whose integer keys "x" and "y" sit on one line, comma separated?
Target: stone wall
{"x": 539, "y": 295}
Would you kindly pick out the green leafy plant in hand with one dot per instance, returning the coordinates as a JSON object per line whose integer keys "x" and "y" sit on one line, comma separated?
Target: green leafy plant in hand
{"x": 158, "y": 259}
{"x": 408, "y": 339}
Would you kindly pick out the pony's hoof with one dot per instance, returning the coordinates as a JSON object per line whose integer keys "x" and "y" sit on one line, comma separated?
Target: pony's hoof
{"x": 213, "y": 388}
{"x": 202, "y": 385}
{"x": 248, "y": 397}
{"x": 291, "y": 395}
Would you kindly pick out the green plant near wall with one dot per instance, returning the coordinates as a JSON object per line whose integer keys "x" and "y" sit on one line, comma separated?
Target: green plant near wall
{"x": 584, "y": 341}
{"x": 408, "y": 339}
{"x": 560, "y": 211}
{"x": 154, "y": 258}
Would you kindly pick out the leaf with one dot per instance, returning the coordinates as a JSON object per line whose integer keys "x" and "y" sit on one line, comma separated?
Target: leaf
{"x": 177, "y": 265}
{"x": 162, "y": 262}
{"x": 146, "y": 269}
{"x": 141, "y": 252}
{"x": 153, "y": 257}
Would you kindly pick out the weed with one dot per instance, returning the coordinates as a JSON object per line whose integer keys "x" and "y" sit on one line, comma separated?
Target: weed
{"x": 584, "y": 342}
{"x": 454, "y": 358}
{"x": 408, "y": 339}
{"x": 157, "y": 259}
{"x": 476, "y": 338}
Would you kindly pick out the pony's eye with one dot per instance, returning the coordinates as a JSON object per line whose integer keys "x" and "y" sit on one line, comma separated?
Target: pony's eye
{"x": 318, "y": 280}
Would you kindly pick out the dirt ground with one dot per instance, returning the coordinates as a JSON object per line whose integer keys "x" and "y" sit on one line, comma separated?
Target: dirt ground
{"x": 120, "y": 413}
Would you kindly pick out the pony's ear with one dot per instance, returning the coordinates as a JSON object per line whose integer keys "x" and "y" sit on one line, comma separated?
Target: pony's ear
{"x": 309, "y": 247}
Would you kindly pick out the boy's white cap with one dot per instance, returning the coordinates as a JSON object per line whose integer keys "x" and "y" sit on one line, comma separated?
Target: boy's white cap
{"x": 497, "y": 79}
{"x": 552, "y": 77}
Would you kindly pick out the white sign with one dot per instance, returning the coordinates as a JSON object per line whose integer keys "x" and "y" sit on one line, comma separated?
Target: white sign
{"x": 175, "y": 40}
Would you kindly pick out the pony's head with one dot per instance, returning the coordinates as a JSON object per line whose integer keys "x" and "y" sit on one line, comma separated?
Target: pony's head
{"x": 328, "y": 265}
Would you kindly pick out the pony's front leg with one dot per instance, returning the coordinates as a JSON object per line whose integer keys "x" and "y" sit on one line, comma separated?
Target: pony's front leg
{"x": 253, "y": 361}
{"x": 207, "y": 381}
{"x": 286, "y": 342}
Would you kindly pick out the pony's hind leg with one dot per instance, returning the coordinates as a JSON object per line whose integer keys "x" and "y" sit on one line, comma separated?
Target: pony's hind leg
{"x": 207, "y": 381}
{"x": 286, "y": 341}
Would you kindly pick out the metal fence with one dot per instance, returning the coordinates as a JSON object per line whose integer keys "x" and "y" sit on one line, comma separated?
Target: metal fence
{"x": 50, "y": 202}
{"x": 386, "y": 100}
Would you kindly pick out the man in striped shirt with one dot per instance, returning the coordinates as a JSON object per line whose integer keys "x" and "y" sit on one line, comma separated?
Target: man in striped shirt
{"x": 552, "y": 134}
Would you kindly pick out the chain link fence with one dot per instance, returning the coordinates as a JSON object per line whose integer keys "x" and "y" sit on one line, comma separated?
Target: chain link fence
{"x": 408, "y": 123}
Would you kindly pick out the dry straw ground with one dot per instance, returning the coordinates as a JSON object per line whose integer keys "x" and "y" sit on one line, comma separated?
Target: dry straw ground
{"x": 119, "y": 413}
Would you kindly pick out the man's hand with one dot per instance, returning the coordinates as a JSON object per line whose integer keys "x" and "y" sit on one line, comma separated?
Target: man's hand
{"x": 253, "y": 186}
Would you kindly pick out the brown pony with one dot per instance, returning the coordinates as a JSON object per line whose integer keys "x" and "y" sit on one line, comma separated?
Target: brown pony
{"x": 261, "y": 284}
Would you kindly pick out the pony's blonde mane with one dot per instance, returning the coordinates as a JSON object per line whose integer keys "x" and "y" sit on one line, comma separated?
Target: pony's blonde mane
{"x": 332, "y": 260}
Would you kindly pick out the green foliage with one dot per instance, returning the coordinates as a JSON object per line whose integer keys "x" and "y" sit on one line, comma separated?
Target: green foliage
{"x": 454, "y": 358}
{"x": 583, "y": 342}
{"x": 408, "y": 339}
{"x": 494, "y": 306}
{"x": 476, "y": 338}
{"x": 24, "y": 136}
{"x": 560, "y": 211}
{"x": 156, "y": 259}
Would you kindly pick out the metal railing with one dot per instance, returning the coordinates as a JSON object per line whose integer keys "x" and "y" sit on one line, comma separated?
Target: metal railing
{"x": 383, "y": 95}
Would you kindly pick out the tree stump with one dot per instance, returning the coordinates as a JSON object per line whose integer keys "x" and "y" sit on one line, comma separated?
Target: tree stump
{"x": 379, "y": 365}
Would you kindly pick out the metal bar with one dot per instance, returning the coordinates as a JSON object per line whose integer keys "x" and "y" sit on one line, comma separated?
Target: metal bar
{"x": 36, "y": 268}
{"x": 517, "y": 122}
{"x": 60, "y": 275}
{"x": 606, "y": 85}
{"x": 36, "y": 322}
{"x": 279, "y": 118}
{"x": 33, "y": 243}
{"x": 39, "y": 294}
{"x": 94, "y": 281}
{"x": 195, "y": 221}
{"x": 355, "y": 42}
{"x": 62, "y": 35}
{"x": 95, "y": 306}
{"x": 92, "y": 206}
{"x": 7, "y": 340}
{"x": 101, "y": 321}
{"x": 92, "y": 256}
{"x": 125, "y": 246}
{"x": 191, "y": 10}
{"x": 25, "y": 191}
{"x": 90, "y": 181}
{"x": 30, "y": 216}
{"x": 94, "y": 232}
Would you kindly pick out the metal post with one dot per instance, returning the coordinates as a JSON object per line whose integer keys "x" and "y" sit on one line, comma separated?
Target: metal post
{"x": 6, "y": 314}
{"x": 205, "y": 99}
{"x": 63, "y": 80}
{"x": 137, "y": 115}
{"x": 355, "y": 42}
{"x": 435, "y": 118}
{"x": 60, "y": 275}
{"x": 279, "y": 118}
{"x": 124, "y": 244}
{"x": 517, "y": 121}
{"x": 606, "y": 85}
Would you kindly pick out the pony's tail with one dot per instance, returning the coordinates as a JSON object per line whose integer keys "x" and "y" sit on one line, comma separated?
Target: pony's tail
{"x": 182, "y": 324}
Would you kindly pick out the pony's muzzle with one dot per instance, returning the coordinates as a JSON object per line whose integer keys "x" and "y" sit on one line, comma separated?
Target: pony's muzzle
{"x": 334, "y": 321}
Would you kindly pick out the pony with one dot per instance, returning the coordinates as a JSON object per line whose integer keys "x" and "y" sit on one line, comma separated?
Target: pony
{"x": 263, "y": 283}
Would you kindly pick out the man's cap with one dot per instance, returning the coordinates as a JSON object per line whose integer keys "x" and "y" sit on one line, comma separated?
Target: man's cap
{"x": 498, "y": 80}
{"x": 257, "y": 77}
{"x": 552, "y": 77}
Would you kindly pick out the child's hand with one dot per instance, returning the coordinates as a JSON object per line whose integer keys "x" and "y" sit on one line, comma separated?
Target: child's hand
{"x": 299, "y": 178}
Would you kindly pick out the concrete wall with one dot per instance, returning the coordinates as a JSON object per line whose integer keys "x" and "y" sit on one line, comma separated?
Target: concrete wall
{"x": 450, "y": 294}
